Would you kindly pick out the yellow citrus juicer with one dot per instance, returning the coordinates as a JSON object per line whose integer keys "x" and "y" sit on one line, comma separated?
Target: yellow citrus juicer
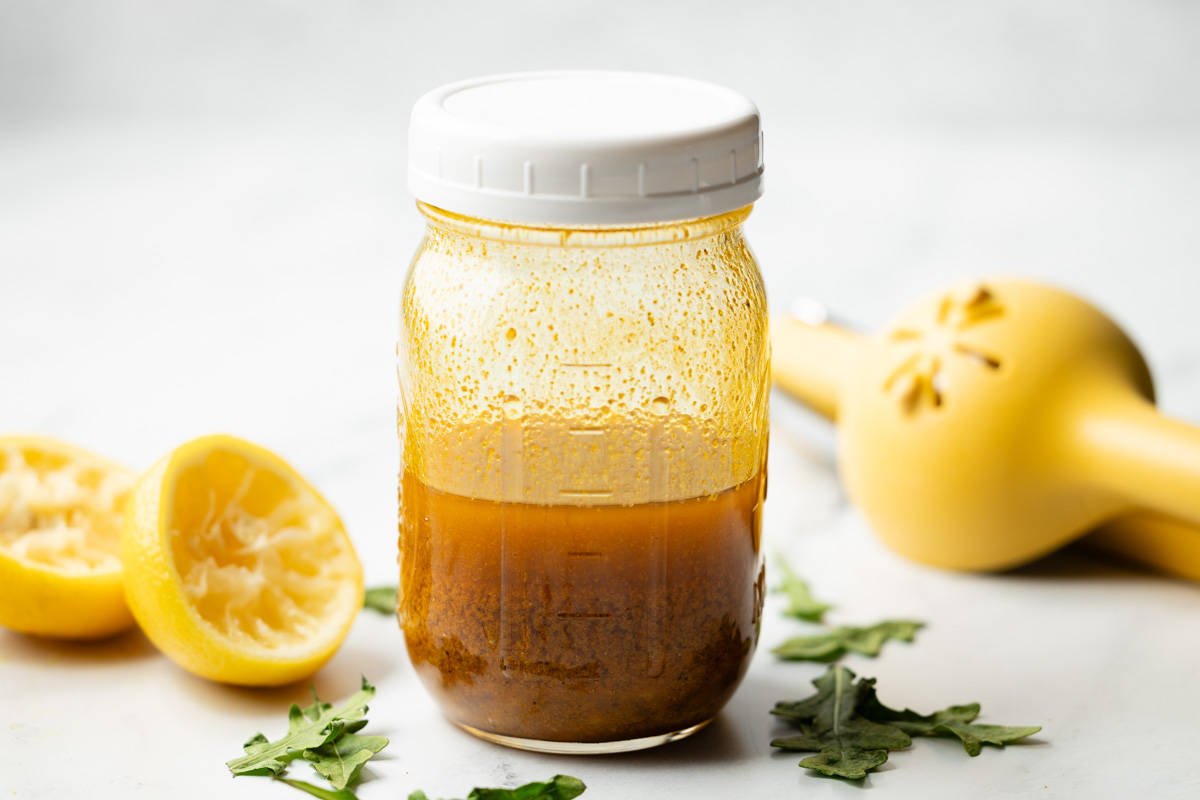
{"x": 995, "y": 421}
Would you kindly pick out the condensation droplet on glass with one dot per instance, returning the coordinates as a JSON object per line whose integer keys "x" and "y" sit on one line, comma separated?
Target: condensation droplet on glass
{"x": 660, "y": 405}
{"x": 512, "y": 406}
{"x": 512, "y": 334}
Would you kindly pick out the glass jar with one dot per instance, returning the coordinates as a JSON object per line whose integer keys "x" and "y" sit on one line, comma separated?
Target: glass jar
{"x": 583, "y": 429}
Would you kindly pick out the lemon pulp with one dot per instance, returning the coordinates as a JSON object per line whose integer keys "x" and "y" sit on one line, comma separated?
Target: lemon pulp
{"x": 255, "y": 552}
{"x": 60, "y": 521}
{"x": 237, "y": 569}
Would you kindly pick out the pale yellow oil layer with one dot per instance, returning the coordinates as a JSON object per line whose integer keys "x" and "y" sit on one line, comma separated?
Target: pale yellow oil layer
{"x": 583, "y": 367}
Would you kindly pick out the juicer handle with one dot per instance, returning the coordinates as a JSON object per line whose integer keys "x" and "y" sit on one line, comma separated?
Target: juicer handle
{"x": 813, "y": 362}
{"x": 1147, "y": 458}
{"x": 1164, "y": 543}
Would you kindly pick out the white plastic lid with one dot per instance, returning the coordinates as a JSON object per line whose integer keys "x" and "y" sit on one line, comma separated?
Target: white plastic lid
{"x": 585, "y": 148}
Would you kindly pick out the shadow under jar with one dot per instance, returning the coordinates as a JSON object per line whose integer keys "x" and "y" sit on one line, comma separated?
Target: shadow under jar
{"x": 583, "y": 430}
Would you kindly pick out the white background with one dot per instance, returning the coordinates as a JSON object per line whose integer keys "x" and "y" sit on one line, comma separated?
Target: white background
{"x": 204, "y": 227}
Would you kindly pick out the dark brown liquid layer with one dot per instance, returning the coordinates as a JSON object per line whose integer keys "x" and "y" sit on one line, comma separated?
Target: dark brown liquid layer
{"x": 580, "y": 624}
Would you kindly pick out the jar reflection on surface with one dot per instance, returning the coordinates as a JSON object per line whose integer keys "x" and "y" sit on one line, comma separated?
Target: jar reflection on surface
{"x": 584, "y": 437}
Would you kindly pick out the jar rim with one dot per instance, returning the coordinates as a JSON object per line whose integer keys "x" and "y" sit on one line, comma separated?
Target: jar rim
{"x": 622, "y": 235}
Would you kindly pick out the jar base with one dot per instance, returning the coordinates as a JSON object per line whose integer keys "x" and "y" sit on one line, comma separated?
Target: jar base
{"x": 584, "y": 748}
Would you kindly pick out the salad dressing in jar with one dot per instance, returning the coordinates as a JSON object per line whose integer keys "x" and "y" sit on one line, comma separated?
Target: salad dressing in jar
{"x": 583, "y": 366}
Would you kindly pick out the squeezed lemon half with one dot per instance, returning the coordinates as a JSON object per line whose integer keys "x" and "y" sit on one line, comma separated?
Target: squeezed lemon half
{"x": 235, "y": 567}
{"x": 60, "y": 522}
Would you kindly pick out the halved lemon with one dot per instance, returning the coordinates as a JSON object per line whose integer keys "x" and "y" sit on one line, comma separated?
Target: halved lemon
{"x": 60, "y": 522}
{"x": 235, "y": 567}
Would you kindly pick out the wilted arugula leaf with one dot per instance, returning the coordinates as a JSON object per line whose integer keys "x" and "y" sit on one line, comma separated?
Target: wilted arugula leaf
{"x": 560, "y": 787}
{"x": 955, "y": 721}
{"x": 341, "y": 760}
{"x": 801, "y": 603}
{"x": 381, "y": 599}
{"x": 308, "y": 729}
{"x": 848, "y": 745}
{"x": 833, "y": 644}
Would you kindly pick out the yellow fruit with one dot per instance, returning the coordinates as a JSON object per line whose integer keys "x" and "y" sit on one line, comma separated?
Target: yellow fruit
{"x": 235, "y": 567}
{"x": 60, "y": 522}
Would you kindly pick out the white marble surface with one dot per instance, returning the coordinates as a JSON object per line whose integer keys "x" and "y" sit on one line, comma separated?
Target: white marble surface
{"x": 203, "y": 227}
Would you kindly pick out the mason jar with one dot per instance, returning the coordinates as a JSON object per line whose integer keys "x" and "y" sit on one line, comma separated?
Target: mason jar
{"x": 583, "y": 368}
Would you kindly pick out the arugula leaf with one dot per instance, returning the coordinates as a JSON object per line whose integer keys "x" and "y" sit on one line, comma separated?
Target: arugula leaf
{"x": 272, "y": 766}
{"x": 852, "y": 731}
{"x": 975, "y": 736}
{"x": 801, "y": 603}
{"x": 916, "y": 724}
{"x": 833, "y": 644}
{"x": 341, "y": 760}
{"x": 381, "y": 599}
{"x": 955, "y": 721}
{"x": 560, "y": 787}
{"x": 848, "y": 745}
{"x": 308, "y": 729}
{"x": 317, "y": 791}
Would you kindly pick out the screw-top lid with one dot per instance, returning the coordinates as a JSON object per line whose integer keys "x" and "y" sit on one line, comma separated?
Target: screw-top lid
{"x": 585, "y": 148}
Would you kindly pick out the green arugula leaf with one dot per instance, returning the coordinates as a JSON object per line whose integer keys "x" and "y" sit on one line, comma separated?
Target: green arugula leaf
{"x": 381, "y": 599}
{"x": 975, "y": 736}
{"x": 954, "y": 721}
{"x": 272, "y": 766}
{"x": 844, "y": 762}
{"x": 801, "y": 603}
{"x": 847, "y": 744}
{"x": 833, "y": 644}
{"x": 317, "y": 791}
{"x": 916, "y": 724}
{"x": 341, "y": 760}
{"x": 308, "y": 729}
{"x": 560, "y": 787}
{"x": 852, "y": 731}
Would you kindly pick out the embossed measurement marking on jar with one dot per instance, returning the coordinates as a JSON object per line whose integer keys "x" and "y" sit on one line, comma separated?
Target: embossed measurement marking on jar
{"x": 577, "y": 590}
{"x": 585, "y": 452}
{"x": 590, "y": 471}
